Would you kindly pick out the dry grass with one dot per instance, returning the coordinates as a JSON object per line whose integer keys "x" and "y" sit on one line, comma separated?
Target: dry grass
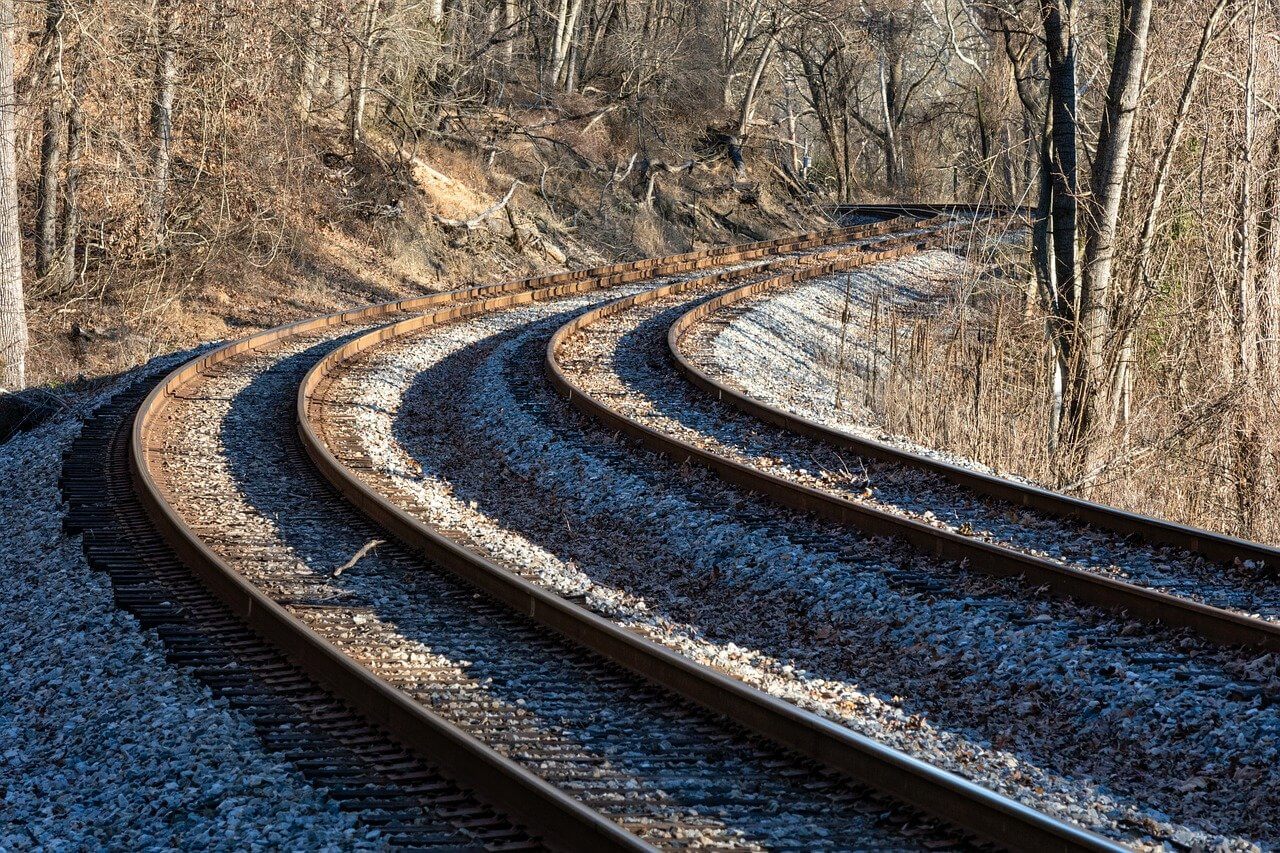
{"x": 322, "y": 245}
{"x": 969, "y": 374}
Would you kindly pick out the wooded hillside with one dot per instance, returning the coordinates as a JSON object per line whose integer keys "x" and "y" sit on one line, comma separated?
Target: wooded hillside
{"x": 175, "y": 170}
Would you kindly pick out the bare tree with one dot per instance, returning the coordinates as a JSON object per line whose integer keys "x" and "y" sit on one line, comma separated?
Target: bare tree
{"x": 13, "y": 319}
{"x": 71, "y": 185}
{"x": 47, "y": 190}
{"x": 163, "y": 86}
{"x": 566, "y": 29}
{"x": 1110, "y": 170}
{"x": 1078, "y": 284}
{"x": 895, "y": 32}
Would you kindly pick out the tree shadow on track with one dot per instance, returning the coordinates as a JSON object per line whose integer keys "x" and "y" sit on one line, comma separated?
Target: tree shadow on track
{"x": 744, "y": 573}
{"x": 584, "y": 708}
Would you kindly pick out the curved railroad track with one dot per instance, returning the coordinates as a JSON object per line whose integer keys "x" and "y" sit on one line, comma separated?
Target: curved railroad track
{"x": 1215, "y": 596}
{"x": 547, "y": 714}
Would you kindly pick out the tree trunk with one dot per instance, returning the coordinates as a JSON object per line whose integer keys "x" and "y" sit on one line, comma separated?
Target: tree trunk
{"x": 509, "y": 22}
{"x": 1247, "y": 326}
{"x": 162, "y": 119}
{"x": 13, "y": 319}
{"x": 1110, "y": 166}
{"x": 566, "y": 31}
{"x": 1122, "y": 371}
{"x": 1056, "y": 231}
{"x": 748, "y": 108}
{"x": 71, "y": 188}
{"x": 307, "y": 72}
{"x": 360, "y": 86}
{"x": 890, "y": 71}
{"x": 50, "y": 143}
{"x": 571, "y": 70}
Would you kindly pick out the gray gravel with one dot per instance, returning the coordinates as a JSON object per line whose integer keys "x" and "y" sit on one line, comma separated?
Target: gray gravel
{"x": 1148, "y": 738}
{"x": 781, "y": 348}
{"x": 661, "y": 769}
{"x": 102, "y": 743}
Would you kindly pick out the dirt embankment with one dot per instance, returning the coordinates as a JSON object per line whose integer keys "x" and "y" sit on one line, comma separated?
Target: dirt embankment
{"x": 387, "y": 223}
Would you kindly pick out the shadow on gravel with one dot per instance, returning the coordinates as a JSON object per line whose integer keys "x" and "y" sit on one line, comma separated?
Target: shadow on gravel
{"x": 615, "y": 722}
{"x": 1065, "y": 713}
{"x": 23, "y": 411}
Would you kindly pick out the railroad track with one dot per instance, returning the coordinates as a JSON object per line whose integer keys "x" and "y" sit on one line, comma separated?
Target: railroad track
{"x": 1242, "y": 608}
{"x": 264, "y": 568}
{"x": 1220, "y": 587}
{"x": 566, "y": 490}
{"x": 536, "y": 702}
{"x": 609, "y": 364}
{"x": 390, "y": 790}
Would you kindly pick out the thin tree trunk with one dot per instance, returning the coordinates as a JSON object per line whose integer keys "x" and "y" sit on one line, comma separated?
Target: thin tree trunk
{"x": 162, "y": 119}
{"x": 509, "y": 20}
{"x": 310, "y": 59}
{"x": 360, "y": 86}
{"x": 13, "y": 319}
{"x": 793, "y": 141}
{"x": 1009, "y": 173}
{"x": 566, "y": 33}
{"x": 1161, "y": 180}
{"x": 747, "y": 110}
{"x": 571, "y": 70}
{"x": 71, "y": 188}
{"x": 1269, "y": 269}
{"x": 50, "y": 143}
{"x": 1247, "y": 326}
{"x": 1057, "y": 234}
{"x": 889, "y": 132}
{"x": 1110, "y": 166}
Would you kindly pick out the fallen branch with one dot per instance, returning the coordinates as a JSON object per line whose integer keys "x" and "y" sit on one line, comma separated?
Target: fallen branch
{"x": 359, "y": 555}
{"x": 652, "y": 171}
{"x": 476, "y": 221}
{"x": 616, "y": 178}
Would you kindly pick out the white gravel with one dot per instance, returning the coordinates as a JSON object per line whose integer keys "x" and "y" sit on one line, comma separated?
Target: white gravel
{"x": 785, "y": 343}
{"x": 1038, "y": 700}
{"x": 102, "y": 742}
{"x": 781, "y": 348}
{"x": 630, "y": 751}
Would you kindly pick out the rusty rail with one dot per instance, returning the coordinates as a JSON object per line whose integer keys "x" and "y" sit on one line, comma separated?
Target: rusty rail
{"x": 937, "y": 792}
{"x": 1213, "y": 623}
{"x": 565, "y": 823}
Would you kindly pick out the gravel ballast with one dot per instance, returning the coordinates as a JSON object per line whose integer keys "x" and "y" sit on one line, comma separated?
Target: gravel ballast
{"x": 781, "y": 348}
{"x": 662, "y": 769}
{"x": 1136, "y": 735}
{"x": 102, "y": 742}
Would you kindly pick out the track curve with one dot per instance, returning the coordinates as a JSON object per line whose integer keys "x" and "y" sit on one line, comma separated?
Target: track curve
{"x": 959, "y": 802}
{"x": 528, "y": 798}
{"x": 1213, "y": 623}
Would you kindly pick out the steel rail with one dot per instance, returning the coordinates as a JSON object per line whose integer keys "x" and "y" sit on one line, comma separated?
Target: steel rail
{"x": 564, "y": 822}
{"x": 527, "y": 798}
{"x": 987, "y": 814}
{"x": 927, "y": 208}
{"x": 1213, "y": 623}
{"x": 955, "y": 800}
{"x": 1210, "y": 544}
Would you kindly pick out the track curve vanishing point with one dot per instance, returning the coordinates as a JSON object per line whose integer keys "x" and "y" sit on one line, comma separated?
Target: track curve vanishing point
{"x": 1212, "y": 622}
{"x": 544, "y": 807}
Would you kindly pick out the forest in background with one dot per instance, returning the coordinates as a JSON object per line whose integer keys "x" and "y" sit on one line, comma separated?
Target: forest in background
{"x": 180, "y": 170}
